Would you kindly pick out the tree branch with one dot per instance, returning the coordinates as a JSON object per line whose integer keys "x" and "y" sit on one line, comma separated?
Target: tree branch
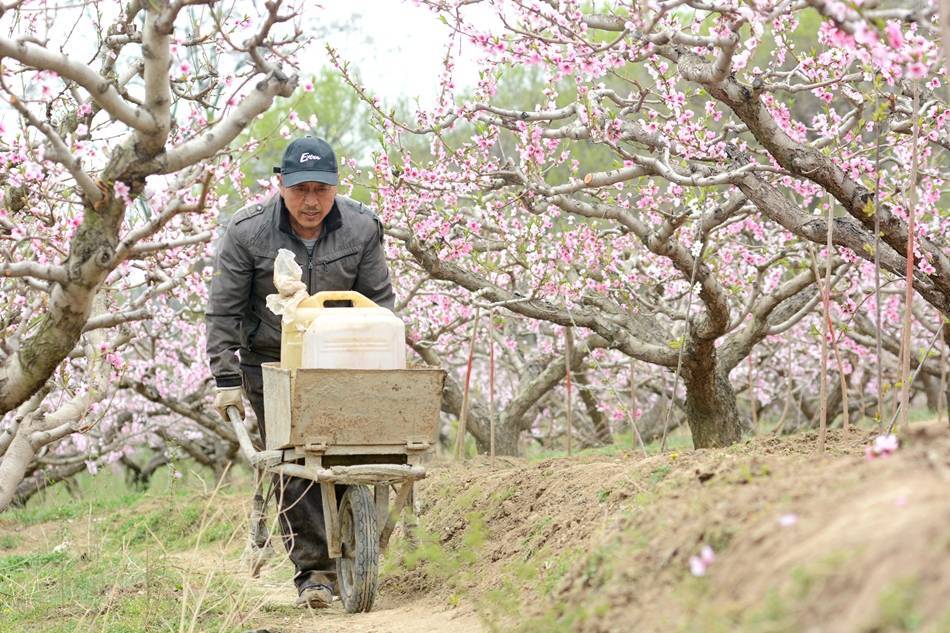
{"x": 98, "y": 87}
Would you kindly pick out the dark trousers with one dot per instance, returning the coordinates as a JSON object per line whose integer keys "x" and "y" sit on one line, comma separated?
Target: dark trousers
{"x": 299, "y": 505}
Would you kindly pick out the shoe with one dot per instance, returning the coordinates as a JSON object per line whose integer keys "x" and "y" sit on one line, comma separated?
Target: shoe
{"x": 315, "y": 597}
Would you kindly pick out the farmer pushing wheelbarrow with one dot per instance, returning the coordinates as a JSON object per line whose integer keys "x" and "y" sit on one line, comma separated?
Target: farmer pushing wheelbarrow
{"x": 338, "y": 243}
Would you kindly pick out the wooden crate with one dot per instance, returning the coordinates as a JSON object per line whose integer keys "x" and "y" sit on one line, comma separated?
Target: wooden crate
{"x": 352, "y": 411}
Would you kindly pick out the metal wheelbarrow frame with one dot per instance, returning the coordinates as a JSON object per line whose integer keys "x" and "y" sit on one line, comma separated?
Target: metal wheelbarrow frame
{"x": 356, "y": 428}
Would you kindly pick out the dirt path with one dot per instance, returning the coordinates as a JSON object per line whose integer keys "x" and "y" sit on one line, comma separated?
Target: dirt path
{"x": 270, "y": 599}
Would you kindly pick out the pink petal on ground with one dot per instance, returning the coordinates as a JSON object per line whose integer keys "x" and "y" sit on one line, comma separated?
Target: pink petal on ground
{"x": 696, "y": 566}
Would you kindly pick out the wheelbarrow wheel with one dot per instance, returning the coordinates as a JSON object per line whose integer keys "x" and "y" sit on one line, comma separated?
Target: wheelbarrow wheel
{"x": 358, "y": 567}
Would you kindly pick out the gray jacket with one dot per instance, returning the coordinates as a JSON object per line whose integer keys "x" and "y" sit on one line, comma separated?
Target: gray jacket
{"x": 347, "y": 256}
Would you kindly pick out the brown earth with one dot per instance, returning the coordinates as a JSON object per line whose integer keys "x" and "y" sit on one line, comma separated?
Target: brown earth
{"x": 270, "y": 602}
{"x": 603, "y": 543}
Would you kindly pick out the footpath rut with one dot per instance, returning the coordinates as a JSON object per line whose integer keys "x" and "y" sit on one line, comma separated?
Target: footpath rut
{"x": 270, "y": 599}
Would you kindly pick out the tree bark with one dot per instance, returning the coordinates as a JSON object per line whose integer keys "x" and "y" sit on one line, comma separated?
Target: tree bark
{"x": 598, "y": 421}
{"x": 42, "y": 480}
{"x": 15, "y": 462}
{"x": 711, "y": 408}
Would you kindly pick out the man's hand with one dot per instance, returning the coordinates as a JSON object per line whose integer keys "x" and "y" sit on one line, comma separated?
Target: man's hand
{"x": 225, "y": 397}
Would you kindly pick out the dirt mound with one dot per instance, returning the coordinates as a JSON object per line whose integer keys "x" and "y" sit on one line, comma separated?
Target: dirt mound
{"x": 801, "y": 542}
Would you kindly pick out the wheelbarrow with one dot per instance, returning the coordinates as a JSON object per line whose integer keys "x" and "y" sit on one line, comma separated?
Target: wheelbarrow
{"x": 368, "y": 430}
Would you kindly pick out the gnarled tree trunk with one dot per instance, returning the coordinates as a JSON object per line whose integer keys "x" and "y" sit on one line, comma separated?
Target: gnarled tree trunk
{"x": 711, "y": 409}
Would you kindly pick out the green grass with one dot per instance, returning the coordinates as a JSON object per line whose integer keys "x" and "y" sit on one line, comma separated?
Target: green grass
{"x": 624, "y": 443}
{"x": 112, "y": 559}
{"x": 9, "y": 541}
{"x": 897, "y": 606}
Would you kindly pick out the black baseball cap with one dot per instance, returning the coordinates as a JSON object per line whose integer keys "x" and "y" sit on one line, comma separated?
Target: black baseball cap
{"x": 308, "y": 159}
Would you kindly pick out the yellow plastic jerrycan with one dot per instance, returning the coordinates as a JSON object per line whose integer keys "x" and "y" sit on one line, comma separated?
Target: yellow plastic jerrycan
{"x": 364, "y": 336}
{"x": 291, "y": 334}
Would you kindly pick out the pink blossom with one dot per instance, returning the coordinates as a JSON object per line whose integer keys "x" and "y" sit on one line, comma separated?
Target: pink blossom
{"x": 788, "y": 520}
{"x": 122, "y": 192}
{"x": 895, "y": 39}
{"x": 882, "y": 446}
{"x": 916, "y": 70}
{"x": 698, "y": 564}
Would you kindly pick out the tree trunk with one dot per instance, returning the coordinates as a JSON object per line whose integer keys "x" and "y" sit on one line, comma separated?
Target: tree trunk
{"x": 506, "y": 439}
{"x": 711, "y": 409}
{"x": 42, "y": 480}
{"x": 598, "y": 421}
{"x": 14, "y": 464}
{"x": 91, "y": 254}
{"x": 931, "y": 387}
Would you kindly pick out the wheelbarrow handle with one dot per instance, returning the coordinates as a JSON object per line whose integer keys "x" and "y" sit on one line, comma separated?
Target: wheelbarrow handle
{"x": 254, "y": 457}
{"x": 244, "y": 440}
{"x": 234, "y": 415}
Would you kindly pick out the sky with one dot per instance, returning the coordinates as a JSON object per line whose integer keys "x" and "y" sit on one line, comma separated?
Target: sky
{"x": 397, "y": 46}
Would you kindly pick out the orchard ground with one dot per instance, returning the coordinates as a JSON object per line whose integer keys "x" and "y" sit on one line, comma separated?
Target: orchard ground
{"x": 601, "y": 541}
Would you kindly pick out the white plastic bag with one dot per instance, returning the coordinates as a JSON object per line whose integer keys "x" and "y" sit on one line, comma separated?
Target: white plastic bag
{"x": 290, "y": 289}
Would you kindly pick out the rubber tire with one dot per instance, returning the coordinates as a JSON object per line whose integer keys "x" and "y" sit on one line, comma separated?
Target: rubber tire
{"x": 358, "y": 567}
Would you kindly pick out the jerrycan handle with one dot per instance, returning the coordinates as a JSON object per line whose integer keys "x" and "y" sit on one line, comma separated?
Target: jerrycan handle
{"x": 317, "y": 300}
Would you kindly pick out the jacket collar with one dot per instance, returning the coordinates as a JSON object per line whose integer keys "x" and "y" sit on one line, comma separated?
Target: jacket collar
{"x": 332, "y": 222}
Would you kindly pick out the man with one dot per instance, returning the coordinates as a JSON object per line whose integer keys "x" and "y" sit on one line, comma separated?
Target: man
{"x": 338, "y": 243}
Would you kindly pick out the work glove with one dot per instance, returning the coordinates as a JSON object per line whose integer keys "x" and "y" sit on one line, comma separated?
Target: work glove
{"x": 225, "y": 397}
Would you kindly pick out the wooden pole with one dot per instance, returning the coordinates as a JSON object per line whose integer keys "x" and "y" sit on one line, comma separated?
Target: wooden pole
{"x": 755, "y": 414}
{"x": 637, "y": 438}
{"x": 942, "y": 403}
{"x": 878, "y": 132}
{"x": 463, "y": 414}
{"x": 829, "y": 326}
{"x": 491, "y": 382}
{"x": 824, "y": 288}
{"x": 633, "y": 397}
{"x": 909, "y": 273}
{"x": 568, "y": 356}
{"x": 788, "y": 393}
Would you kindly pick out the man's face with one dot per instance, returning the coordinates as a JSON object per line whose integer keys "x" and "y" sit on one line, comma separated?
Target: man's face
{"x": 308, "y": 204}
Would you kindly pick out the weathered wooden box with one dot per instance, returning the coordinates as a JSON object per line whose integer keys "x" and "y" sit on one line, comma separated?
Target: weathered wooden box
{"x": 352, "y": 411}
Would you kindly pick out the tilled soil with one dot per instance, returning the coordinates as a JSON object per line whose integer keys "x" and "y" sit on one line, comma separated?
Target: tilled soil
{"x": 802, "y": 542}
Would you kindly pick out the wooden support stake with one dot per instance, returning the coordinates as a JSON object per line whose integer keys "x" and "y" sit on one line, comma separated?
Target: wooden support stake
{"x": 633, "y": 403}
{"x": 463, "y": 414}
{"x": 568, "y": 356}
{"x": 754, "y": 414}
{"x": 491, "y": 384}
{"x": 824, "y": 289}
{"x": 909, "y": 272}
{"x": 942, "y": 403}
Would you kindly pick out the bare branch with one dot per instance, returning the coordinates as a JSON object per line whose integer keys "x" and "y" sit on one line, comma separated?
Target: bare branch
{"x": 98, "y": 87}
{"x": 60, "y": 153}
{"x": 47, "y": 272}
{"x": 112, "y": 320}
{"x": 227, "y": 129}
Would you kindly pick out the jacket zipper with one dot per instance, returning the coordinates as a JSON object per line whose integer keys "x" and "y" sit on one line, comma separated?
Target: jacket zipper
{"x": 310, "y": 270}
